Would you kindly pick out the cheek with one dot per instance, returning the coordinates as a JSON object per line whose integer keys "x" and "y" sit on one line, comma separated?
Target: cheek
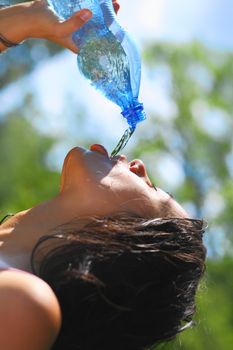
{"x": 83, "y": 174}
{"x": 96, "y": 168}
{"x": 128, "y": 185}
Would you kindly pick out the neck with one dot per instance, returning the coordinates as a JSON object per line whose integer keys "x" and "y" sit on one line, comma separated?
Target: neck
{"x": 19, "y": 234}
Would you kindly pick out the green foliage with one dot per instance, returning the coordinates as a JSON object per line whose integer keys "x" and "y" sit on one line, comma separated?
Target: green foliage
{"x": 198, "y": 136}
{"x": 214, "y": 319}
{"x": 197, "y": 133}
{"x": 25, "y": 179}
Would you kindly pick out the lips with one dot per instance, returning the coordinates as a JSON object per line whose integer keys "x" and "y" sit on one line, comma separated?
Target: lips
{"x": 99, "y": 149}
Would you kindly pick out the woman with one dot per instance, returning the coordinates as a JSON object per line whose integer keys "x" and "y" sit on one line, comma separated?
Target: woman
{"x": 111, "y": 262}
{"x": 124, "y": 278}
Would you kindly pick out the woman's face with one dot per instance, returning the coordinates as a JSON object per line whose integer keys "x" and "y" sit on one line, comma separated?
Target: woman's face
{"x": 101, "y": 185}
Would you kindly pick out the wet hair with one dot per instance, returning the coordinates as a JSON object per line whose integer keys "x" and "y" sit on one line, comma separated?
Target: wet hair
{"x": 122, "y": 283}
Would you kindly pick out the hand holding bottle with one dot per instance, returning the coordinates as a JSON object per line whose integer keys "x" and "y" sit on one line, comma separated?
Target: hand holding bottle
{"x": 36, "y": 20}
{"x": 48, "y": 25}
{"x": 108, "y": 58}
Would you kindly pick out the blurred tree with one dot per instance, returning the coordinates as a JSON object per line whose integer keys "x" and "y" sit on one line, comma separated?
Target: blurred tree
{"x": 195, "y": 133}
{"x": 18, "y": 61}
{"x": 214, "y": 328}
{"x": 25, "y": 179}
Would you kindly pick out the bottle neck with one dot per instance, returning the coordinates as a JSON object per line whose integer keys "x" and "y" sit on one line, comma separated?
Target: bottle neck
{"x": 134, "y": 114}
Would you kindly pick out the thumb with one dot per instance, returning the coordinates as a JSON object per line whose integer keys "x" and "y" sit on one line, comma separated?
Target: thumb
{"x": 75, "y": 22}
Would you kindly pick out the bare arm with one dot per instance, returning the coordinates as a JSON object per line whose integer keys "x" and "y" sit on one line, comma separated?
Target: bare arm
{"x": 34, "y": 19}
{"x": 30, "y": 316}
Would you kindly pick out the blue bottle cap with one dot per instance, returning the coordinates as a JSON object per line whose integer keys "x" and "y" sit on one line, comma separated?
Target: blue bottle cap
{"x": 134, "y": 115}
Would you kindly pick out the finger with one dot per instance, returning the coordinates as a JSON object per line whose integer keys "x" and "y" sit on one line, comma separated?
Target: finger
{"x": 116, "y": 7}
{"x": 74, "y": 23}
{"x": 66, "y": 42}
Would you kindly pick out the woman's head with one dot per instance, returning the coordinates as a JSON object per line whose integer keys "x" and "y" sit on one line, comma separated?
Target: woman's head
{"x": 123, "y": 282}
{"x": 107, "y": 186}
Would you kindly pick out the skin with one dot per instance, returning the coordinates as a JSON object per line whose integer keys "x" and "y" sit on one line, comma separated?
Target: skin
{"x": 30, "y": 315}
{"x": 34, "y": 19}
{"x": 92, "y": 183}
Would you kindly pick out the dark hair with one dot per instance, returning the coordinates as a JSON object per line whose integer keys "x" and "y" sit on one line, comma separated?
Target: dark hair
{"x": 123, "y": 283}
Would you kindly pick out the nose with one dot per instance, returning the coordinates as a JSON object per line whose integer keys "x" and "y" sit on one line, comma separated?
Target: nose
{"x": 99, "y": 149}
{"x": 137, "y": 166}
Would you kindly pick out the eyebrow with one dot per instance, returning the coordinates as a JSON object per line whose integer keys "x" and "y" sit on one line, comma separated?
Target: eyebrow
{"x": 153, "y": 186}
{"x": 171, "y": 195}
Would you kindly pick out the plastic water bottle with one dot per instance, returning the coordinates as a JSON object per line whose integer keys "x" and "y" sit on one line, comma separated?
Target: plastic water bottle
{"x": 108, "y": 58}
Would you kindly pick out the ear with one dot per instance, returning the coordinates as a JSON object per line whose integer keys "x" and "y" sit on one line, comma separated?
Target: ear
{"x": 137, "y": 167}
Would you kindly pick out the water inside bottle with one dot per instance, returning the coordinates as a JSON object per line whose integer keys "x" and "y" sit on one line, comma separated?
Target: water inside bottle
{"x": 105, "y": 64}
{"x": 123, "y": 141}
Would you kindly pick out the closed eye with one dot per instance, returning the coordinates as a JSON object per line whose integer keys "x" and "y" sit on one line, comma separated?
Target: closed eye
{"x": 171, "y": 195}
{"x": 153, "y": 186}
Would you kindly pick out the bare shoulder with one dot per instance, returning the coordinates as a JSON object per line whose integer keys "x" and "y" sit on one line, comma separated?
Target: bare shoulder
{"x": 30, "y": 315}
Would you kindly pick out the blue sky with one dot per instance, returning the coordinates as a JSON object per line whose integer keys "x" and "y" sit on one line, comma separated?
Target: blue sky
{"x": 181, "y": 20}
{"x": 209, "y": 21}
{"x": 57, "y": 81}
